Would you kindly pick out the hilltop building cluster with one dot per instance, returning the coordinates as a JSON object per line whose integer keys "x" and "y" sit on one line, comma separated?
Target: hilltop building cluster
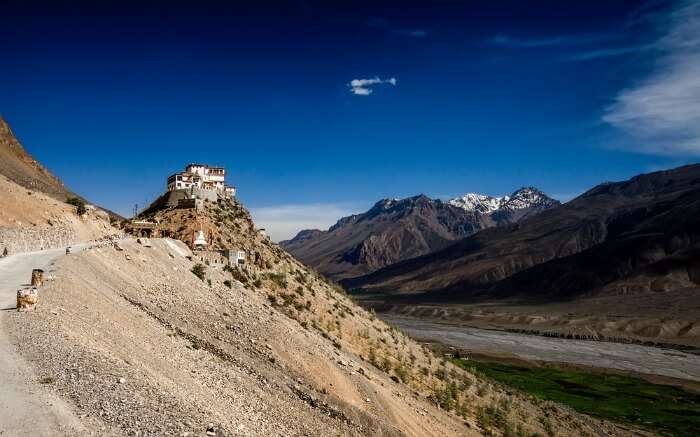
{"x": 202, "y": 177}
{"x": 189, "y": 189}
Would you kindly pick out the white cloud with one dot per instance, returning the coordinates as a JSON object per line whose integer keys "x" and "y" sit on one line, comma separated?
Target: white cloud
{"x": 661, "y": 114}
{"x": 361, "y": 91}
{"x": 282, "y": 222}
{"x": 362, "y": 87}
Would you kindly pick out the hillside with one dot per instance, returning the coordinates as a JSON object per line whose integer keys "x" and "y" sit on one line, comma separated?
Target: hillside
{"x": 17, "y": 165}
{"x": 139, "y": 344}
{"x": 635, "y": 236}
{"x": 34, "y": 214}
{"x": 31, "y": 220}
{"x": 395, "y": 230}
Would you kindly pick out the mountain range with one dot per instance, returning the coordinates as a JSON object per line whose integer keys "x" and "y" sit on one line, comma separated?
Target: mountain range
{"x": 394, "y": 230}
{"x": 637, "y": 236}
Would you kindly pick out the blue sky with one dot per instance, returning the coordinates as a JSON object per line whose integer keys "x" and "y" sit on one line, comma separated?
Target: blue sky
{"x": 319, "y": 110}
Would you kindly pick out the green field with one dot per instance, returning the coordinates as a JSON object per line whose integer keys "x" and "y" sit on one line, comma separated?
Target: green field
{"x": 664, "y": 409}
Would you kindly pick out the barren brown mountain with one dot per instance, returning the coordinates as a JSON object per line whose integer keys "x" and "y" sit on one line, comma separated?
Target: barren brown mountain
{"x": 618, "y": 238}
{"x": 33, "y": 210}
{"x": 18, "y": 166}
{"x": 395, "y": 230}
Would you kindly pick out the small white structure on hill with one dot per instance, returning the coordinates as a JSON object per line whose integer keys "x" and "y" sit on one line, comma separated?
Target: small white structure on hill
{"x": 201, "y": 176}
{"x": 234, "y": 256}
{"x": 200, "y": 242}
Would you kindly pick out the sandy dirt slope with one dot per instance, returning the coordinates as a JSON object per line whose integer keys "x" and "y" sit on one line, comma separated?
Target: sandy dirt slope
{"x": 139, "y": 345}
{"x": 30, "y": 220}
{"x": 26, "y": 408}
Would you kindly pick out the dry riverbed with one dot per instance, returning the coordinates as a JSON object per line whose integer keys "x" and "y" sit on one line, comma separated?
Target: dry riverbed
{"x": 625, "y": 357}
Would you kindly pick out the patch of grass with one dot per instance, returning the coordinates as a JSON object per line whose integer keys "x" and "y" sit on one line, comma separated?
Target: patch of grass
{"x": 199, "y": 271}
{"x": 236, "y": 274}
{"x": 78, "y": 203}
{"x": 47, "y": 380}
{"x": 402, "y": 373}
{"x": 279, "y": 279}
{"x": 618, "y": 398}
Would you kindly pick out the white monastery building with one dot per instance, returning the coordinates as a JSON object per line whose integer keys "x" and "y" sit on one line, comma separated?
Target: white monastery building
{"x": 203, "y": 177}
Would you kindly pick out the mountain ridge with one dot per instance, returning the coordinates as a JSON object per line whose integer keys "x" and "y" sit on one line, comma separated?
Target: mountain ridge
{"x": 610, "y": 239}
{"x": 21, "y": 168}
{"x": 396, "y": 229}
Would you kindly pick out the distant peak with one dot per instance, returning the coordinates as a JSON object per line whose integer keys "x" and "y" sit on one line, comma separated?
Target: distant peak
{"x": 521, "y": 198}
{"x": 480, "y": 203}
{"x": 529, "y": 197}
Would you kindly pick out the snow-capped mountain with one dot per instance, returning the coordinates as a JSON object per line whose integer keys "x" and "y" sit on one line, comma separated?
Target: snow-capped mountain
{"x": 528, "y": 197}
{"x": 394, "y": 230}
{"x": 524, "y": 198}
{"x": 480, "y": 203}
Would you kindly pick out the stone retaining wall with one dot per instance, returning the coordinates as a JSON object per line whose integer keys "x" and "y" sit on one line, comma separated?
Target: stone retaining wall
{"x": 32, "y": 239}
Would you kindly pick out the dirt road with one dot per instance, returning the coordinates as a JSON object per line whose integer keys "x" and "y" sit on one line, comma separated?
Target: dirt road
{"x": 629, "y": 357}
{"x": 26, "y": 408}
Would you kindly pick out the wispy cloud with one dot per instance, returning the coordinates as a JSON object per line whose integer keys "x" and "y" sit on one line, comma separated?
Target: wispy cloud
{"x": 282, "y": 222}
{"x": 608, "y": 52}
{"x": 383, "y": 23}
{"x": 661, "y": 114}
{"x": 579, "y": 41}
{"x": 505, "y": 40}
{"x": 363, "y": 87}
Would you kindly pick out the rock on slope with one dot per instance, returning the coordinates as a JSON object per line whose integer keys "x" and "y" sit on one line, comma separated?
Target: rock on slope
{"x": 394, "y": 230}
{"x": 626, "y": 237}
{"x": 141, "y": 346}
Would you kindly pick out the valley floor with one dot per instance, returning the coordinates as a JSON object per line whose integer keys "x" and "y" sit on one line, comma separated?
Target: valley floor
{"x": 626, "y": 357}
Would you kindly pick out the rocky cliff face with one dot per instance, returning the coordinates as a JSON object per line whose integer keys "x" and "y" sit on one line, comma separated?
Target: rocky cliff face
{"x": 636, "y": 235}
{"x": 394, "y": 230}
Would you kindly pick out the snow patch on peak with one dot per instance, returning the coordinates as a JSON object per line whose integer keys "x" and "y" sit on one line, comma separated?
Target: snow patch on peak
{"x": 525, "y": 197}
{"x": 480, "y": 203}
{"x": 528, "y": 197}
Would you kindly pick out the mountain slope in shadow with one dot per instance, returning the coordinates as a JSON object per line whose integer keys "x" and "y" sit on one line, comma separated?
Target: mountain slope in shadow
{"x": 642, "y": 234}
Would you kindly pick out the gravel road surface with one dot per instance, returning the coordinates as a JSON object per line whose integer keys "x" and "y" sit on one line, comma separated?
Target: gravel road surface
{"x": 26, "y": 408}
